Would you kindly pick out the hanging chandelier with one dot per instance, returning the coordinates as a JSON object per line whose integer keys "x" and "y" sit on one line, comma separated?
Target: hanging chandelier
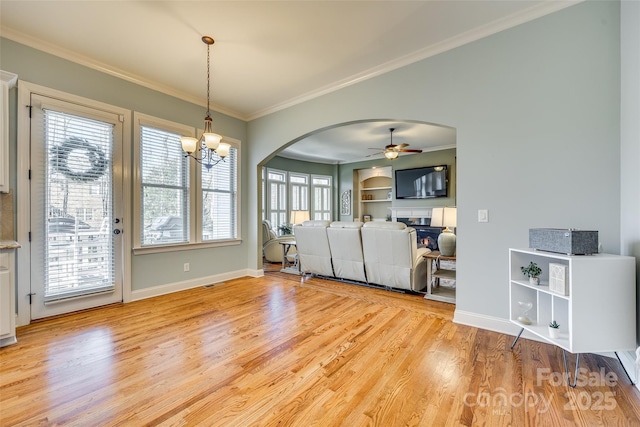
{"x": 209, "y": 144}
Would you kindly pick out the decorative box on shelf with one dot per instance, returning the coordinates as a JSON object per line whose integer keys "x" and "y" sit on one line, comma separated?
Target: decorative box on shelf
{"x": 558, "y": 281}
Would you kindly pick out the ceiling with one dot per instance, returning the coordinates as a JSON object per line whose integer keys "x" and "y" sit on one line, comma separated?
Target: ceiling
{"x": 366, "y": 141}
{"x": 268, "y": 55}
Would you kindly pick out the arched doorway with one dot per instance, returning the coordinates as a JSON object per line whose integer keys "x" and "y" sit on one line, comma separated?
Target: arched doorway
{"x": 347, "y": 146}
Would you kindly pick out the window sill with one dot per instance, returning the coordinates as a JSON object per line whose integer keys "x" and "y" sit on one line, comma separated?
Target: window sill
{"x": 184, "y": 246}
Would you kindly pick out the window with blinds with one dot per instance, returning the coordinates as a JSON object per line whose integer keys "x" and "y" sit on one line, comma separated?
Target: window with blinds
{"x": 79, "y": 251}
{"x": 277, "y": 184}
{"x": 181, "y": 201}
{"x": 277, "y": 197}
{"x": 299, "y": 187}
{"x": 321, "y": 188}
{"x": 220, "y": 199}
{"x": 164, "y": 181}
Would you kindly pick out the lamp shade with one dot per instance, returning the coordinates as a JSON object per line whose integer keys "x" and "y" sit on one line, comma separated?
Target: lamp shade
{"x": 298, "y": 217}
{"x": 189, "y": 144}
{"x": 223, "y": 149}
{"x": 211, "y": 140}
{"x": 444, "y": 217}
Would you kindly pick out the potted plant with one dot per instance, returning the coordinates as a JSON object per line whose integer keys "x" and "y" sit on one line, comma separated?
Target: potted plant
{"x": 533, "y": 272}
{"x": 554, "y": 329}
{"x": 285, "y": 229}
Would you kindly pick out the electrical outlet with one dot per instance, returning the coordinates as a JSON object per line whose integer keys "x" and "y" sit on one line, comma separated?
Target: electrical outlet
{"x": 483, "y": 215}
{"x": 186, "y": 266}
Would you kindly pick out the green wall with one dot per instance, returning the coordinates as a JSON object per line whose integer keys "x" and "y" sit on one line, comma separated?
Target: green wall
{"x": 300, "y": 166}
{"x": 537, "y": 113}
{"x": 148, "y": 270}
{"x": 349, "y": 181}
{"x": 536, "y": 110}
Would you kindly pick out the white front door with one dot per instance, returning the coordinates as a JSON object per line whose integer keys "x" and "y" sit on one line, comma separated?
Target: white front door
{"x": 76, "y": 209}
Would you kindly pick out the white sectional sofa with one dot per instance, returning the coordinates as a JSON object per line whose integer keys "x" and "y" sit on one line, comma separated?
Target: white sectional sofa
{"x": 347, "y": 257}
{"x": 312, "y": 244}
{"x": 380, "y": 253}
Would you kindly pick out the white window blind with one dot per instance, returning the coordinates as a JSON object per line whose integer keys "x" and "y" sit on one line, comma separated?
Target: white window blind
{"x": 219, "y": 199}
{"x": 164, "y": 180}
{"x": 321, "y": 187}
{"x": 299, "y": 185}
{"x": 79, "y": 257}
{"x": 277, "y": 197}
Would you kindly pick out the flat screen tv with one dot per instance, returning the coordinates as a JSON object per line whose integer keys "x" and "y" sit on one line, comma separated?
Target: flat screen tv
{"x": 421, "y": 183}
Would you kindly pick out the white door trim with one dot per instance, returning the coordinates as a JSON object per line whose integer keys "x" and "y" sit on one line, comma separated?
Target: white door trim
{"x": 25, "y": 89}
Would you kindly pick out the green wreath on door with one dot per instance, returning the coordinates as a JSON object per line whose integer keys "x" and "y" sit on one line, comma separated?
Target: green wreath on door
{"x": 95, "y": 156}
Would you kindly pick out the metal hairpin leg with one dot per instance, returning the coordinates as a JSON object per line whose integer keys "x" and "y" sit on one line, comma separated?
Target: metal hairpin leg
{"x": 575, "y": 375}
{"x": 516, "y": 340}
{"x": 624, "y": 369}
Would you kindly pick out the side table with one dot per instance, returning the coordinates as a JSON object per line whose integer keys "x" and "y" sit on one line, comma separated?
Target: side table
{"x": 434, "y": 273}
{"x": 289, "y": 266}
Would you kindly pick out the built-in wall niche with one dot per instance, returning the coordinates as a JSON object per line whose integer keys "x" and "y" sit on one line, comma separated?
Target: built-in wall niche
{"x": 375, "y": 194}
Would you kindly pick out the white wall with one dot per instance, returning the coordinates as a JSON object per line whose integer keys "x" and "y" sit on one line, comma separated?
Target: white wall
{"x": 537, "y": 113}
{"x": 630, "y": 132}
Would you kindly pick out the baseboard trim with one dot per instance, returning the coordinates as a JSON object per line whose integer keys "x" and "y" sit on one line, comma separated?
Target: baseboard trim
{"x": 490, "y": 323}
{"x": 168, "y": 288}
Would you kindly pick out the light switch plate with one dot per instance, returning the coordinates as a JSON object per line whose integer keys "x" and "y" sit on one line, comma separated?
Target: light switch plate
{"x": 483, "y": 215}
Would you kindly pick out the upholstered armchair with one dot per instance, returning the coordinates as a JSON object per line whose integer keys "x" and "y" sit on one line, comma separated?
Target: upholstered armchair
{"x": 271, "y": 247}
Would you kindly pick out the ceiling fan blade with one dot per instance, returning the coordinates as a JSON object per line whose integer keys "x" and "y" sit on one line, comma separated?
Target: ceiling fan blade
{"x": 374, "y": 154}
{"x": 409, "y": 151}
{"x": 399, "y": 146}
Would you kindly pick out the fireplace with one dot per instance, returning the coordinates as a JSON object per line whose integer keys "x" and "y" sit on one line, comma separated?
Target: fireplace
{"x": 426, "y": 235}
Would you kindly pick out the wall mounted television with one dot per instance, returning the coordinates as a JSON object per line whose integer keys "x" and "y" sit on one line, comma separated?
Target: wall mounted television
{"x": 421, "y": 183}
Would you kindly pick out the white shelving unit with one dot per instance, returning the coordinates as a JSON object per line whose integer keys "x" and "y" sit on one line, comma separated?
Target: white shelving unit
{"x": 597, "y": 315}
{"x": 375, "y": 185}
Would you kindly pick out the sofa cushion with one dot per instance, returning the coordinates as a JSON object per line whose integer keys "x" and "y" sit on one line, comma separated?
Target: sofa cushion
{"x": 313, "y": 247}
{"x": 345, "y": 242}
{"x": 391, "y": 256}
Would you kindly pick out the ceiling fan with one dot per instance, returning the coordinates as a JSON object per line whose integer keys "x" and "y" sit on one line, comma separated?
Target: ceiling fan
{"x": 392, "y": 151}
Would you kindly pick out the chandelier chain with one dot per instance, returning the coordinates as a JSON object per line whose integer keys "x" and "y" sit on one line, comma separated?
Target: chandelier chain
{"x": 208, "y": 78}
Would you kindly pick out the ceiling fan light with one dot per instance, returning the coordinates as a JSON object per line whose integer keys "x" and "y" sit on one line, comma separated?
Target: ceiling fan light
{"x": 391, "y": 155}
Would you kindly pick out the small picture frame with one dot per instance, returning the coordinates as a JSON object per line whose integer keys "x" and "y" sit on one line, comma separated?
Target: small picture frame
{"x": 558, "y": 280}
{"x": 366, "y": 218}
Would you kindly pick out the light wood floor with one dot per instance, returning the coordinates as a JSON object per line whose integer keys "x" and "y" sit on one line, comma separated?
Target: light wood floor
{"x": 277, "y": 351}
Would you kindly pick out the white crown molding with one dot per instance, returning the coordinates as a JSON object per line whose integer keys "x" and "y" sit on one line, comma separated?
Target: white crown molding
{"x": 60, "y": 52}
{"x": 529, "y": 14}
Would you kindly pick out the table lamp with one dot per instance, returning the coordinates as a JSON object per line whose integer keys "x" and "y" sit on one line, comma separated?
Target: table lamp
{"x": 298, "y": 217}
{"x": 445, "y": 217}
